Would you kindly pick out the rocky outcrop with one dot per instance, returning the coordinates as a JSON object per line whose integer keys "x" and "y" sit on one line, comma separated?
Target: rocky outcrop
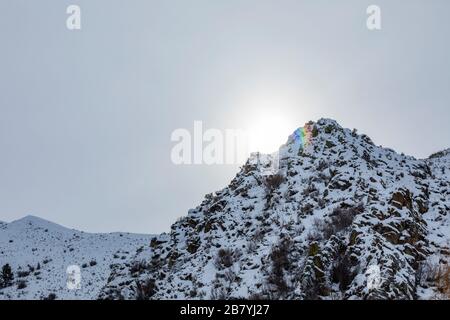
{"x": 338, "y": 208}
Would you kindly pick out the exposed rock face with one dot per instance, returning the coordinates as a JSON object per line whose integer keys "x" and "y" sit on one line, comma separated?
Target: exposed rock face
{"x": 339, "y": 207}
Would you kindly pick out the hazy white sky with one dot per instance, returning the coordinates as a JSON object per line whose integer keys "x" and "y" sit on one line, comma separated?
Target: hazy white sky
{"x": 86, "y": 116}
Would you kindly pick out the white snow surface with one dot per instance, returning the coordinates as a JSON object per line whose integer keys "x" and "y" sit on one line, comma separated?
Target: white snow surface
{"x": 39, "y": 253}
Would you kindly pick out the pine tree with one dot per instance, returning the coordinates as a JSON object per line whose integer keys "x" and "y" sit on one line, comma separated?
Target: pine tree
{"x": 6, "y": 277}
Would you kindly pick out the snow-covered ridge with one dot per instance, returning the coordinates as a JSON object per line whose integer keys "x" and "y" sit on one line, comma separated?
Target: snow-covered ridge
{"x": 441, "y": 154}
{"x": 40, "y": 251}
{"x": 338, "y": 208}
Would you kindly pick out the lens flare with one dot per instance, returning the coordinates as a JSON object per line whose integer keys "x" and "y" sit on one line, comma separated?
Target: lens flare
{"x": 303, "y": 136}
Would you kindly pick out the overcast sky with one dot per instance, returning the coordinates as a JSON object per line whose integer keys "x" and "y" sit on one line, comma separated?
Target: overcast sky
{"x": 86, "y": 116}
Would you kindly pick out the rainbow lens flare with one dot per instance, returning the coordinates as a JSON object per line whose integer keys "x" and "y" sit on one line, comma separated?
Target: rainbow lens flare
{"x": 303, "y": 136}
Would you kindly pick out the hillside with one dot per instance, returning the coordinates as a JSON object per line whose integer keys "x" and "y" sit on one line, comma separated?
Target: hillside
{"x": 40, "y": 251}
{"x": 339, "y": 209}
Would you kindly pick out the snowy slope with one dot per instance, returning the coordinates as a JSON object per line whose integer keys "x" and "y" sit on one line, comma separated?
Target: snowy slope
{"x": 339, "y": 208}
{"x": 439, "y": 166}
{"x": 40, "y": 251}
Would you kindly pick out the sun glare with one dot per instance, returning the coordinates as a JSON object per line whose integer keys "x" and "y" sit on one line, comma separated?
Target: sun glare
{"x": 268, "y": 131}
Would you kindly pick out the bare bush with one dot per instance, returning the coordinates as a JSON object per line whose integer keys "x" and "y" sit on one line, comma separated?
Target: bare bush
{"x": 435, "y": 275}
{"x": 312, "y": 291}
{"x": 51, "y": 296}
{"x": 443, "y": 281}
{"x": 342, "y": 272}
{"x": 321, "y": 203}
{"x": 314, "y": 235}
{"x": 224, "y": 259}
{"x": 310, "y": 189}
{"x": 218, "y": 294}
{"x": 138, "y": 266}
{"x": 322, "y": 165}
{"x": 145, "y": 289}
{"x": 316, "y": 232}
{"x": 427, "y": 273}
{"x": 258, "y": 235}
{"x": 251, "y": 246}
{"x": 230, "y": 277}
{"x": 273, "y": 182}
{"x": 307, "y": 209}
{"x": 340, "y": 219}
{"x": 256, "y": 296}
{"x": 279, "y": 257}
{"x": 21, "y": 284}
{"x": 23, "y": 274}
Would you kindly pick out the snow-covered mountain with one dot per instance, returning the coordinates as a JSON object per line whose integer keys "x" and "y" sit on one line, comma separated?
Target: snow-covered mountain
{"x": 39, "y": 253}
{"x": 341, "y": 219}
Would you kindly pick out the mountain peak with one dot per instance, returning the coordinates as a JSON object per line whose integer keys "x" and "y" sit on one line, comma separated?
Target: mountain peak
{"x": 33, "y": 218}
{"x": 35, "y": 221}
{"x": 327, "y": 121}
{"x": 326, "y": 138}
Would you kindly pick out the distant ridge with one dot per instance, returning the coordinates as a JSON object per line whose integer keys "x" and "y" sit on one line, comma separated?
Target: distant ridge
{"x": 40, "y": 251}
